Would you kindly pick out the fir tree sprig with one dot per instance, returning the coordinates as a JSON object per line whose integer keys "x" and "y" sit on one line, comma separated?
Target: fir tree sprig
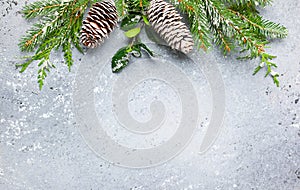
{"x": 234, "y": 24}
{"x": 59, "y": 25}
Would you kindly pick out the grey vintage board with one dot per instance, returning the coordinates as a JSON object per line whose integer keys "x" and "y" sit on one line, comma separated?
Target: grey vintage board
{"x": 51, "y": 139}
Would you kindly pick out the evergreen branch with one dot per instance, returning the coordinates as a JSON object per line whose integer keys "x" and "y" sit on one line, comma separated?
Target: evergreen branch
{"x": 68, "y": 54}
{"x": 262, "y": 3}
{"x": 265, "y": 62}
{"x": 250, "y": 33}
{"x": 199, "y": 25}
{"x": 45, "y": 67}
{"x": 219, "y": 18}
{"x": 30, "y": 41}
{"x": 267, "y": 28}
{"x": 121, "y": 8}
{"x": 40, "y": 31}
{"x": 41, "y": 8}
{"x": 202, "y": 35}
{"x": 224, "y": 42}
{"x": 59, "y": 26}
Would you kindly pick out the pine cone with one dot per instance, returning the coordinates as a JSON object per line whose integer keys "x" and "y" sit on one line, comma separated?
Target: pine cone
{"x": 166, "y": 21}
{"x": 101, "y": 20}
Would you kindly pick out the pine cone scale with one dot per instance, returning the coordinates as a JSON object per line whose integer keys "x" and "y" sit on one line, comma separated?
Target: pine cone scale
{"x": 100, "y": 22}
{"x": 166, "y": 21}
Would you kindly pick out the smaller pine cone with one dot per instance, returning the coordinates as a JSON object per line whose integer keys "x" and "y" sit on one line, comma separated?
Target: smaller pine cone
{"x": 100, "y": 22}
{"x": 166, "y": 21}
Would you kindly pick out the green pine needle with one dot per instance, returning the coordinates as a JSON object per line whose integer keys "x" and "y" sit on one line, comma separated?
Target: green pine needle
{"x": 58, "y": 27}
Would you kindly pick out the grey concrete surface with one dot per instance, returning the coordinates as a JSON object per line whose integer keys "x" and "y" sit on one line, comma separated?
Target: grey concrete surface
{"x": 258, "y": 147}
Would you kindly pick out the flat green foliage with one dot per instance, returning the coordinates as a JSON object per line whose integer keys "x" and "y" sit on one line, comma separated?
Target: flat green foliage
{"x": 121, "y": 59}
{"x": 129, "y": 22}
{"x": 233, "y": 25}
{"x": 133, "y": 18}
{"x": 133, "y": 32}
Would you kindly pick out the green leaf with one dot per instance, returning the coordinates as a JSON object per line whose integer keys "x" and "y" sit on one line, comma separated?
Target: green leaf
{"x": 141, "y": 45}
{"x": 120, "y": 59}
{"x": 133, "y": 32}
{"x": 130, "y": 22}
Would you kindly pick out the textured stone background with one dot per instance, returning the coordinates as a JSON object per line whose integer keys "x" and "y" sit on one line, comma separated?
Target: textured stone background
{"x": 258, "y": 147}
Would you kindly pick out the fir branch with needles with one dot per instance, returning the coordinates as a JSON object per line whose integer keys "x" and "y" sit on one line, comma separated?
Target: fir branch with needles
{"x": 58, "y": 27}
{"x": 236, "y": 26}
